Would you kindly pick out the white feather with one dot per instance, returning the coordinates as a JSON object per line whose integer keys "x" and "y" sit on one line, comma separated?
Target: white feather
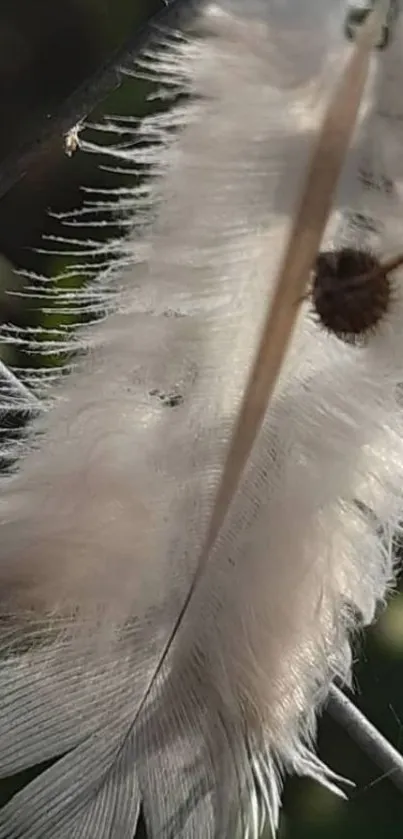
{"x": 104, "y": 521}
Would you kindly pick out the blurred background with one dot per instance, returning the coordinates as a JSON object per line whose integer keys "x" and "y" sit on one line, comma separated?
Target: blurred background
{"x": 46, "y": 50}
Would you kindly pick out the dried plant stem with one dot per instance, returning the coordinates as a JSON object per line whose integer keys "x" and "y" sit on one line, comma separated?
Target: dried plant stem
{"x": 381, "y": 270}
{"x": 366, "y": 736}
{"x": 82, "y": 101}
{"x": 304, "y": 243}
{"x": 305, "y": 237}
{"x": 388, "y": 266}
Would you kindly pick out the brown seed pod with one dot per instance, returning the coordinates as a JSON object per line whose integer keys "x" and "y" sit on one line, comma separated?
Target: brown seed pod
{"x": 351, "y": 291}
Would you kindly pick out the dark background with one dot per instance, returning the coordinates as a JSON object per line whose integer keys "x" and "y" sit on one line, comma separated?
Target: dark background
{"x": 46, "y": 49}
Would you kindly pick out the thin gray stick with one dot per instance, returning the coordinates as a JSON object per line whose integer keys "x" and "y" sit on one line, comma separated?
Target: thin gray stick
{"x": 82, "y": 101}
{"x": 370, "y": 740}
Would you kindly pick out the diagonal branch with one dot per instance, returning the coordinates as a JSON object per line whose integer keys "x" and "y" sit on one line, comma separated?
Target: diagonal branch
{"x": 85, "y": 98}
{"x": 370, "y": 740}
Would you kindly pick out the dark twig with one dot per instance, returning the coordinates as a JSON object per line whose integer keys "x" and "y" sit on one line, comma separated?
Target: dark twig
{"x": 85, "y": 98}
{"x": 370, "y": 740}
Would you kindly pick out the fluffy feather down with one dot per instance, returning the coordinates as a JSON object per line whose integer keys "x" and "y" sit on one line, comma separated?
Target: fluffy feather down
{"x": 104, "y": 520}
